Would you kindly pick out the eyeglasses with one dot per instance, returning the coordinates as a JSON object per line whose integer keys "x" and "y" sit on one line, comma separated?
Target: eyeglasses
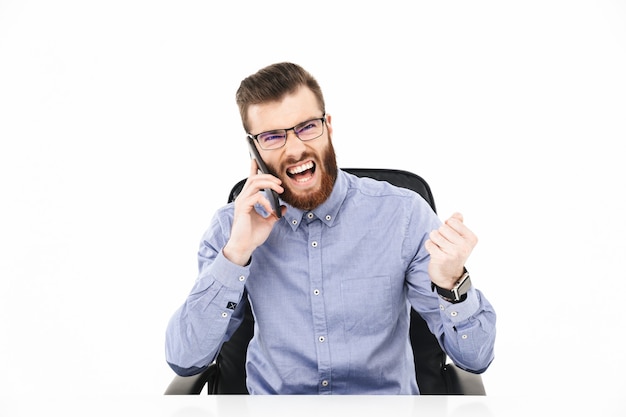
{"x": 274, "y": 139}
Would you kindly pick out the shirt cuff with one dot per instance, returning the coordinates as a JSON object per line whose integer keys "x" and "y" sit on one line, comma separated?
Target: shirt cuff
{"x": 229, "y": 274}
{"x": 458, "y": 312}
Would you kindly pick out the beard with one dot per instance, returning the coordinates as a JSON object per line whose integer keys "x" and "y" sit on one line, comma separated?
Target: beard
{"x": 328, "y": 173}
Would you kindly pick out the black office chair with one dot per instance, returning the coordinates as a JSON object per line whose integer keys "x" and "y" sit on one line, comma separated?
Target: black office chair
{"x": 435, "y": 376}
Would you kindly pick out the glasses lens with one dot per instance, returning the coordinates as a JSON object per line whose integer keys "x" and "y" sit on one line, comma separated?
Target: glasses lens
{"x": 310, "y": 130}
{"x": 272, "y": 140}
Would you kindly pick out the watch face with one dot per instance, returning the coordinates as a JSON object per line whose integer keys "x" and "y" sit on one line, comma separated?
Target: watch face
{"x": 464, "y": 285}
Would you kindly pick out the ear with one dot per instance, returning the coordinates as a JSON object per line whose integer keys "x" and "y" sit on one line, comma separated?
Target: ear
{"x": 329, "y": 125}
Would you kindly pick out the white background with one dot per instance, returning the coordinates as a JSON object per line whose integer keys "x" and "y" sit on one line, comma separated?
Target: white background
{"x": 119, "y": 137}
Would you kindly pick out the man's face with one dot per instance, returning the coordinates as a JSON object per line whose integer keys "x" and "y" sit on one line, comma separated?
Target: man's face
{"x": 307, "y": 169}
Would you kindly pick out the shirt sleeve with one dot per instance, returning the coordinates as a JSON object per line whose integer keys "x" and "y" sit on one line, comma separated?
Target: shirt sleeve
{"x": 466, "y": 330}
{"x": 469, "y": 331}
{"x": 213, "y": 309}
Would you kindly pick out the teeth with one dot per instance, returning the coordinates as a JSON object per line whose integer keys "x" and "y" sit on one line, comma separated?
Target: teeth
{"x": 301, "y": 168}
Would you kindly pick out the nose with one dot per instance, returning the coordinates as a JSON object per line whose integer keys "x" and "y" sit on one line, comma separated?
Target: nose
{"x": 294, "y": 147}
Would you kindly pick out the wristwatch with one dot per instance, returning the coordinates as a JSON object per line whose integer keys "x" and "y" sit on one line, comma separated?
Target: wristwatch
{"x": 458, "y": 293}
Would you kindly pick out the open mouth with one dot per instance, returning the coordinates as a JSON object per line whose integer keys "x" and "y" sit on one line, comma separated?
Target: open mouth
{"x": 302, "y": 173}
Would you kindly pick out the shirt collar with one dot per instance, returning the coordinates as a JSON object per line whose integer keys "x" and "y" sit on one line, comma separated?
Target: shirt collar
{"x": 327, "y": 211}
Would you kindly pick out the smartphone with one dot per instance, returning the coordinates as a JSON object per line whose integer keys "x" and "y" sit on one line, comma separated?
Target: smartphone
{"x": 270, "y": 194}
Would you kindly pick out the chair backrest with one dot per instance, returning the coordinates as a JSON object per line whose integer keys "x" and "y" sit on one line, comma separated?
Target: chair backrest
{"x": 429, "y": 357}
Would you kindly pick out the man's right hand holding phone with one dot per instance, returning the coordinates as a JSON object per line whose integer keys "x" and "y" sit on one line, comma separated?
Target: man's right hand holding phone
{"x": 250, "y": 229}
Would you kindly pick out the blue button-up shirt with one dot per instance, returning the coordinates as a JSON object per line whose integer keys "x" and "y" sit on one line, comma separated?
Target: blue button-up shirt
{"x": 331, "y": 291}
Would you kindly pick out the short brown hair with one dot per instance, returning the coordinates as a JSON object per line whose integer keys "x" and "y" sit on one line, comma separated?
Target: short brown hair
{"x": 272, "y": 83}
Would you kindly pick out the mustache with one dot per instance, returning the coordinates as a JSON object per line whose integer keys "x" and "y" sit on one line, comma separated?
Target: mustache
{"x": 293, "y": 161}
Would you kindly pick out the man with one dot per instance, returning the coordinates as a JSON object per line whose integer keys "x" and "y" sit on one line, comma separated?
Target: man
{"x": 332, "y": 279}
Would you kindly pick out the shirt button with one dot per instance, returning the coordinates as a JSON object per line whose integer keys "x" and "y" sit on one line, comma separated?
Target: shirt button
{"x": 314, "y": 244}
{"x": 310, "y": 215}
{"x": 328, "y": 217}
{"x": 464, "y": 336}
{"x": 324, "y": 383}
{"x": 441, "y": 307}
{"x": 454, "y": 314}
{"x": 321, "y": 339}
{"x": 242, "y": 278}
{"x": 316, "y": 292}
{"x": 224, "y": 314}
{"x": 294, "y": 222}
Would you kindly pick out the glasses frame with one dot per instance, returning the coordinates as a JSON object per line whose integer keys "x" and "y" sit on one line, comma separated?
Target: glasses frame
{"x": 256, "y": 137}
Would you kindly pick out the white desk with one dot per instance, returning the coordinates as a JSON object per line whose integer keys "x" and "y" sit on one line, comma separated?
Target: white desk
{"x": 297, "y": 406}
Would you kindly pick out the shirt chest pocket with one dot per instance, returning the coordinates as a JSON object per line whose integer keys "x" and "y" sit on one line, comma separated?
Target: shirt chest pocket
{"x": 367, "y": 305}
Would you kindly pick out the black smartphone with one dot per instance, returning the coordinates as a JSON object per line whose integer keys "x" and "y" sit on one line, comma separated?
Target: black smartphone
{"x": 271, "y": 194}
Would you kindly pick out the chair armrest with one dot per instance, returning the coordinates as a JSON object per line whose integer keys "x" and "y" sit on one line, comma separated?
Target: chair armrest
{"x": 186, "y": 385}
{"x": 461, "y": 382}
